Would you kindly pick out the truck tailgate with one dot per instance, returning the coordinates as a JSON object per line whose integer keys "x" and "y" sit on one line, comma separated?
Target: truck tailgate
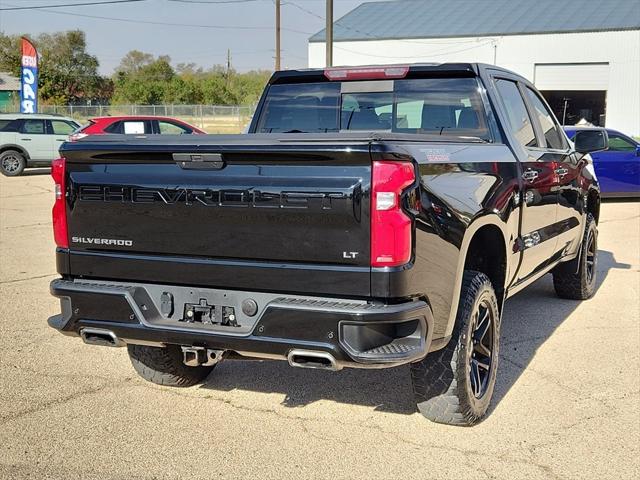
{"x": 299, "y": 207}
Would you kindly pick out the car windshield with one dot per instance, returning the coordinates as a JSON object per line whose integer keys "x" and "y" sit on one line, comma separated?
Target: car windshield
{"x": 439, "y": 106}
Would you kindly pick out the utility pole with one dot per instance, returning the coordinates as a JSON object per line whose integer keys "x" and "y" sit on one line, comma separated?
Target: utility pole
{"x": 329, "y": 34}
{"x": 228, "y": 60}
{"x": 277, "y": 35}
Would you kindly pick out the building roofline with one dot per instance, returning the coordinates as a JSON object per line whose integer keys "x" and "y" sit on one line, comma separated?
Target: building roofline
{"x": 478, "y": 35}
{"x": 432, "y": 19}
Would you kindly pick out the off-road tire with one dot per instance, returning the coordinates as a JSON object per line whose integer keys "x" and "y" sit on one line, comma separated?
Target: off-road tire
{"x": 163, "y": 365}
{"x": 442, "y": 382}
{"x": 12, "y": 163}
{"x": 576, "y": 279}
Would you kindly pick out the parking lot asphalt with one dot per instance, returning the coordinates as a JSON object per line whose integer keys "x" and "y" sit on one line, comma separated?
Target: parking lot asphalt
{"x": 566, "y": 405}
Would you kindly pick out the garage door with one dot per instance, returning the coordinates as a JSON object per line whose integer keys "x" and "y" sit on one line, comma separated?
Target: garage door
{"x": 572, "y": 76}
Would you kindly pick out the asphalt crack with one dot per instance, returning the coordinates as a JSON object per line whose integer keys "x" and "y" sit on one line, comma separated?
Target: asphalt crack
{"x": 15, "y": 280}
{"x": 5, "y": 419}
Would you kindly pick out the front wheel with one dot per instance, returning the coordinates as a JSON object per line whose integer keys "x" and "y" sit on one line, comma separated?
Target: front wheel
{"x": 455, "y": 385}
{"x": 576, "y": 279}
{"x": 12, "y": 163}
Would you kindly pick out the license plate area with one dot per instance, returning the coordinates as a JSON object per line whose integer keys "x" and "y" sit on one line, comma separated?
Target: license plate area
{"x": 204, "y": 314}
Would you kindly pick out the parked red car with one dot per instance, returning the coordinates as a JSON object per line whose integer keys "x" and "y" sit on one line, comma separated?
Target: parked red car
{"x": 136, "y": 125}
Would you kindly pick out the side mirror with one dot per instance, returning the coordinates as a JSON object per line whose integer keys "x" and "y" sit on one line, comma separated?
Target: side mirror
{"x": 637, "y": 150}
{"x": 592, "y": 140}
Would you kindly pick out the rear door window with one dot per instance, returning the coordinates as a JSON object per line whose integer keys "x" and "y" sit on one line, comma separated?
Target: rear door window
{"x": 130, "y": 127}
{"x": 133, "y": 127}
{"x": 517, "y": 115}
{"x": 33, "y": 127}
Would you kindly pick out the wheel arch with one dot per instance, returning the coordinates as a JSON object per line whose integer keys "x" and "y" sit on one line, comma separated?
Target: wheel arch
{"x": 593, "y": 204}
{"x": 18, "y": 148}
{"x": 484, "y": 248}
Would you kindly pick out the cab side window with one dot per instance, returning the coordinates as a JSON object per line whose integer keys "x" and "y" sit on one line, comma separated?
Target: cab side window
{"x": 517, "y": 114}
{"x": 552, "y": 133}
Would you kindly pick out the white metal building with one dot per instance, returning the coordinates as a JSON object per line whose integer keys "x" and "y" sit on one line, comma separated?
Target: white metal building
{"x": 584, "y": 55}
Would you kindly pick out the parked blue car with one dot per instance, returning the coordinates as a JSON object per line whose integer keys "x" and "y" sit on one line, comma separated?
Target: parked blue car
{"x": 618, "y": 168}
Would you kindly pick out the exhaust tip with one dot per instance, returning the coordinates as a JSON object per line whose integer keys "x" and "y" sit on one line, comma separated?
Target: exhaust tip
{"x": 100, "y": 336}
{"x": 313, "y": 359}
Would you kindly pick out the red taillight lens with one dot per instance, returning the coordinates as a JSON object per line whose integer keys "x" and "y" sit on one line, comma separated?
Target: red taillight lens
{"x": 390, "y": 226}
{"x": 59, "y": 207}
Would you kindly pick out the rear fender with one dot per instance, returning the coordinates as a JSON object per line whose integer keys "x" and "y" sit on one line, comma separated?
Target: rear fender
{"x": 13, "y": 146}
{"x": 474, "y": 227}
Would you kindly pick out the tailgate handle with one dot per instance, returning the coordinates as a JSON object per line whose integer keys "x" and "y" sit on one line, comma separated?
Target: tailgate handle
{"x": 199, "y": 161}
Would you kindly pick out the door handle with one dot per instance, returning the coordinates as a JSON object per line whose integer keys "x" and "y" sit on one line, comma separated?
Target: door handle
{"x": 561, "y": 172}
{"x": 61, "y": 139}
{"x": 530, "y": 175}
{"x": 25, "y": 139}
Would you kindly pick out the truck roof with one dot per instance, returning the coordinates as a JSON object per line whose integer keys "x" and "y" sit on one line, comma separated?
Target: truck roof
{"x": 377, "y": 71}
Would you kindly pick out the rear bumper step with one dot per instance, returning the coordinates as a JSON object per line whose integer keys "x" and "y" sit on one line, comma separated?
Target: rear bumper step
{"x": 337, "y": 332}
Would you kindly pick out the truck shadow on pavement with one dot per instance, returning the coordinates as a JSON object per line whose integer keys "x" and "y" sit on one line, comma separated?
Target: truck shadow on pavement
{"x": 530, "y": 318}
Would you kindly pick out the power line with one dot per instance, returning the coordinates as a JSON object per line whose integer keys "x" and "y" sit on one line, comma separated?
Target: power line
{"x": 216, "y": 2}
{"x": 108, "y": 2}
{"x": 375, "y": 37}
{"x": 169, "y": 24}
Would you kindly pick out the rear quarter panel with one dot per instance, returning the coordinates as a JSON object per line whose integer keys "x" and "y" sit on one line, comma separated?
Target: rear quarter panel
{"x": 462, "y": 187}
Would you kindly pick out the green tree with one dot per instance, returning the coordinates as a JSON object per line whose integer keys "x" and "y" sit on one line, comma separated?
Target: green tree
{"x": 67, "y": 73}
{"x": 10, "y": 54}
{"x": 133, "y": 61}
{"x": 141, "y": 78}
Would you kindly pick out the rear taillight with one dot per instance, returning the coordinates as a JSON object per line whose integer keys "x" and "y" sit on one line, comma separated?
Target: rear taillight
{"x": 74, "y": 137}
{"x": 59, "y": 207}
{"x": 390, "y": 226}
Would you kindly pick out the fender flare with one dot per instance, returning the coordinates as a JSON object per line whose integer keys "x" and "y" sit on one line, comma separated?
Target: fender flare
{"x": 478, "y": 223}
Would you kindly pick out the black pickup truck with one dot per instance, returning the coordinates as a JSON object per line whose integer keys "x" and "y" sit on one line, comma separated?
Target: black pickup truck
{"x": 372, "y": 217}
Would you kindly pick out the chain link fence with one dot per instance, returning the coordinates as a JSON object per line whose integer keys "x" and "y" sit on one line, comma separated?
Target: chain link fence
{"x": 210, "y": 118}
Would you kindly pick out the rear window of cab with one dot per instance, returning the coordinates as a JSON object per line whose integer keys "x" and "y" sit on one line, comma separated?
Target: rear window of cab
{"x": 440, "y": 106}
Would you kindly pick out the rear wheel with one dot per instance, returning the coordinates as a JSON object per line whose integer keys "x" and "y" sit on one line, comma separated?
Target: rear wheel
{"x": 164, "y": 366}
{"x": 12, "y": 163}
{"x": 455, "y": 385}
{"x": 576, "y": 280}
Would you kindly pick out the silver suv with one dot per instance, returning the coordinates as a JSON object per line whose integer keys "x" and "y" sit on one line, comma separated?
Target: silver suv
{"x": 31, "y": 140}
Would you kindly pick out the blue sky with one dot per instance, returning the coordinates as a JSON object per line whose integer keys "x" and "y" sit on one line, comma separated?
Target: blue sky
{"x": 109, "y": 40}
